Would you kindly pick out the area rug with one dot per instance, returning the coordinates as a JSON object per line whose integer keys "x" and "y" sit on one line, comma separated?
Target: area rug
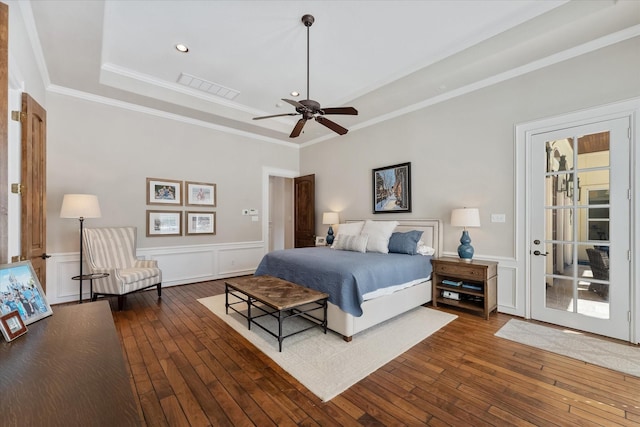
{"x": 619, "y": 357}
{"x": 326, "y": 364}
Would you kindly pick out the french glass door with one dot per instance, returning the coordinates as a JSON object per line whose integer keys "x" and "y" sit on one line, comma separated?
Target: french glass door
{"x": 580, "y": 222}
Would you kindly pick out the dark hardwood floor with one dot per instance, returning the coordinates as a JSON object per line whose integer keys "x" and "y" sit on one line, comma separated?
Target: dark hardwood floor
{"x": 188, "y": 368}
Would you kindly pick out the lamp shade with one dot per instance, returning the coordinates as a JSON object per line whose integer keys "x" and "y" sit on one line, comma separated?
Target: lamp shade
{"x": 80, "y": 206}
{"x": 329, "y": 218}
{"x": 465, "y": 217}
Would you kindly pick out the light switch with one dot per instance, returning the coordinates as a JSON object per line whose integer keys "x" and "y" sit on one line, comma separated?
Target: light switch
{"x": 498, "y": 218}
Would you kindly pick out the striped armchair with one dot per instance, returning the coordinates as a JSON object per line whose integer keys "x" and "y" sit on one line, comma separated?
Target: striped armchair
{"x": 113, "y": 251}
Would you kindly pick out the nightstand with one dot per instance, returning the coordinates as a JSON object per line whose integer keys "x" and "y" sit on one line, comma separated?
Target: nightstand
{"x": 469, "y": 285}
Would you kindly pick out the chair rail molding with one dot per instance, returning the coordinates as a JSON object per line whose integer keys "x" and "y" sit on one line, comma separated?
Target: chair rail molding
{"x": 179, "y": 264}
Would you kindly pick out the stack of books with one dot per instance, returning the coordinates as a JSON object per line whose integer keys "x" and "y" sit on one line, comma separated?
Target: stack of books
{"x": 451, "y": 282}
{"x": 472, "y": 287}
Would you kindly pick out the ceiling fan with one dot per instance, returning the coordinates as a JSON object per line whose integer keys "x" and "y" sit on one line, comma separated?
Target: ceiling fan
{"x": 310, "y": 109}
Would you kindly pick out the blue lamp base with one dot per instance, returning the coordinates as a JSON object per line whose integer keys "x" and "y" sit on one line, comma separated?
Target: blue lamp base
{"x": 465, "y": 250}
{"x": 329, "y": 238}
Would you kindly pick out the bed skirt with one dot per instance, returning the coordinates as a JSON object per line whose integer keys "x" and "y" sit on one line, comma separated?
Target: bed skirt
{"x": 378, "y": 310}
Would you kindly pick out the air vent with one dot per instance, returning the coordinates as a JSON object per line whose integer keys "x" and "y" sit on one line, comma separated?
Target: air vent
{"x": 207, "y": 86}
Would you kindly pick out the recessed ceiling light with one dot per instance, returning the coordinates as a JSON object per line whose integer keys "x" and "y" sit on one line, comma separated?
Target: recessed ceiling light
{"x": 182, "y": 48}
{"x": 294, "y": 93}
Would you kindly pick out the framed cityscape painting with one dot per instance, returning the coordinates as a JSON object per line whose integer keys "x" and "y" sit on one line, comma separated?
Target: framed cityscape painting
{"x": 392, "y": 189}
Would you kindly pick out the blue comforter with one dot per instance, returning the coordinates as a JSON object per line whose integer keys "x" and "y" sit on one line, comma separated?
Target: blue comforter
{"x": 346, "y": 276}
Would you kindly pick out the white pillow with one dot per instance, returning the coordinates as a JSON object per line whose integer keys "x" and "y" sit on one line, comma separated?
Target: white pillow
{"x": 423, "y": 249}
{"x": 348, "y": 242}
{"x": 351, "y": 228}
{"x": 379, "y": 233}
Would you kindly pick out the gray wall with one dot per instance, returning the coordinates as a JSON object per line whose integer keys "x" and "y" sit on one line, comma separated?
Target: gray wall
{"x": 108, "y": 151}
{"x": 462, "y": 151}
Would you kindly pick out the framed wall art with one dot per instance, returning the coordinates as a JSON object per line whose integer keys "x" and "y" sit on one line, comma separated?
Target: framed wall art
{"x": 20, "y": 290}
{"x": 164, "y": 223}
{"x": 200, "y": 194}
{"x": 164, "y": 192}
{"x": 392, "y": 189}
{"x": 201, "y": 223}
{"x": 12, "y": 325}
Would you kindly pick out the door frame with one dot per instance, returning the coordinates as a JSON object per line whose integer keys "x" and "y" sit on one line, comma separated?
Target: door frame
{"x": 523, "y": 133}
{"x": 266, "y": 173}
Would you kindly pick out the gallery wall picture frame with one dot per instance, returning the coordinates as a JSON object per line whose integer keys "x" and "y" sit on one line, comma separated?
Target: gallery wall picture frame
{"x": 392, "y": 189}
{"x": 12, "y": 325}
{"x": 20, "y": 290}
{"x": 200, "y": 194}
{"x": 164, "y": 192}
{"x": 199, "y": 223}
{"x": 164, "y": 223}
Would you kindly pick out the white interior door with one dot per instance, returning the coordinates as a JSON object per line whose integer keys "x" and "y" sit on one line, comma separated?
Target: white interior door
{"x": 580, "y": 222}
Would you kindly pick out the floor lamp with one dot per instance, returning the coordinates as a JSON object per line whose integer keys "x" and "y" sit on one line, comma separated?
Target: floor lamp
{"x": 80, "y": 206}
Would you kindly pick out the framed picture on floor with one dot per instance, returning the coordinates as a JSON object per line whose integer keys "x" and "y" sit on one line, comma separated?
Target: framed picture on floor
{"x": 12, "y": 325}
{"x": 392, "y": 189}
{"x": 164, "y": 223}
{"x": 200, "y": 194}
{"x": 20, "y": 291}
{"x": 199, "y": 223}
{"x": 164, "y": 192}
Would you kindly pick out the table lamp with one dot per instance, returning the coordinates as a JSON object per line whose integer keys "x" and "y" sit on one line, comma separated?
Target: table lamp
{"x": 465, "y": 217}
{"x": 80, "y": 206}
{"x": 330, "y": 218}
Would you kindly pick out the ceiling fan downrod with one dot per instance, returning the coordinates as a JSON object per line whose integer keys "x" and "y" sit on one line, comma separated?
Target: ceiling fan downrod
{"x": 308, "y": 21}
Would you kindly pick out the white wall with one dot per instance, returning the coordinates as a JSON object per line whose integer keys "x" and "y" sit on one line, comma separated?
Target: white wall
{"x": 462, "y": 152}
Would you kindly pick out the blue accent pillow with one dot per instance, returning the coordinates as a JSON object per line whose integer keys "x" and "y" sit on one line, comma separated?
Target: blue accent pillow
{"x": 405, "y": 243}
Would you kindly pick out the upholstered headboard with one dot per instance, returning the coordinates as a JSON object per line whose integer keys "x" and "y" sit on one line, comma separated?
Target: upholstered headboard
{"x": 431, "y": 230}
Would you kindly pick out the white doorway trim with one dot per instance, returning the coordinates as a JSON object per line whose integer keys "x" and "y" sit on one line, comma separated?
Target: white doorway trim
{"x": 266, "y": 173}
{"x": 523, "y": 133}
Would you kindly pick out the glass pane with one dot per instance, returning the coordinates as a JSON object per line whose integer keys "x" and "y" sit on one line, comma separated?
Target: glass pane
{"x": 593, "y": 286}
{"x": 559, "y": 224}
{"x": 599, "y": 213}
{"x": 599, "y": 230}
{"x": 559, "y": 294}
{"x": 593, "y": 150}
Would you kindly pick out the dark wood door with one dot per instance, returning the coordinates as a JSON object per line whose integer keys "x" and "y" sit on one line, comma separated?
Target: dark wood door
{"x": 304, "y": 211}
{"x": 33, "y": 239}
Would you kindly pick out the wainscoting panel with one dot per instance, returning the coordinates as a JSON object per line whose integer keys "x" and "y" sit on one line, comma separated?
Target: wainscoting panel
{"x": 239, "y": 261}
{"x": 508, "y": 290}
{"x": 180, "y": 265}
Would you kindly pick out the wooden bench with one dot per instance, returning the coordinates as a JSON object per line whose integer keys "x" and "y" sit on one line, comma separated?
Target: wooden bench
{"x": 279, "y": 299}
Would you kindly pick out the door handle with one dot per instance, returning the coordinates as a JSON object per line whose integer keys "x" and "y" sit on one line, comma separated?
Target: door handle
{"x": 45, "y": 256}
{"x": 538, "y": 253}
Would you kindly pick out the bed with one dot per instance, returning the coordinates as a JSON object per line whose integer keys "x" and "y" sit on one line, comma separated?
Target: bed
{"x": 354, "y": 310}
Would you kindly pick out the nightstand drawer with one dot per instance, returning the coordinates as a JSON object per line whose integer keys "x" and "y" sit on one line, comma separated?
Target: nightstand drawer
{"x": 461, "y": 271}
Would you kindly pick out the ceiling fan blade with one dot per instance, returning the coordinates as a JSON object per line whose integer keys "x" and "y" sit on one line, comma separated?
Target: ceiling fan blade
{"x": 275, "y": 115}
{"x": 341, "y": 110}
{"x": 298, "y": 128}
{"x": 331, "y": 125}
{"x": 293, "y": 102}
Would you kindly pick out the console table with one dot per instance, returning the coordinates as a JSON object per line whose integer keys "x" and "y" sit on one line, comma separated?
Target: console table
{"x": 67, "y": 370}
